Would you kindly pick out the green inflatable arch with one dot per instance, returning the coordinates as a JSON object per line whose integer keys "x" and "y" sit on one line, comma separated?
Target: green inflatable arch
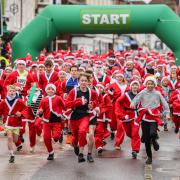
{"x": 55, "y": 19}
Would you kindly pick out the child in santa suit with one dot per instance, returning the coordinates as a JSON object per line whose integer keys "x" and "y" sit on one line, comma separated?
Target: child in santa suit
{"x": 166, "y": 92}
{"x": 31, "y": 115}
{"x": 81, "y": 100}
{"x": 126, "y": 116}
{"x": 49, "y": 76}
{"x": 93, "y": 121}
{"x": 174, "y": 102}
{"x": 64, "y": 89}
{"x": 51, "y": 107}
{"x": 115, "y": 90}
{"x": 104, "y": 117}
{"x": 19, "y": 94}
{"x": 59, "y": 83}
{"x": 21, "y": 76}
{"x": 150, "y": 101}
{"x": 11, "y": 108}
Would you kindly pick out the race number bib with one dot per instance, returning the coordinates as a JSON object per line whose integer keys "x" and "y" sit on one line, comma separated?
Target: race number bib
{"x": 22, "y": 81}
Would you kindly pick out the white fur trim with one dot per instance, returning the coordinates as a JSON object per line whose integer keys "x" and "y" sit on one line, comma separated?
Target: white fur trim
{"x": 150, "y": 79}
{"x": 50, "y": 85}
{"x": 20, "y": 62}
{"x": 135, "y": 81}
{"x": 165, "y": 77}
{"x": 100, "y": 85}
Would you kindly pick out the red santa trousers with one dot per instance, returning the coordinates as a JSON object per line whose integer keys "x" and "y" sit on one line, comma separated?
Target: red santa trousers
{"x": 79, "y": 129}
{"x": 113, "y": 123}
{"x": 120, "y": 133}
{"x": 51, "y": 130}
{"x": 101, "y": 133}
{"x": 176, "y": 120}
{"x": 132, "y": 131}
{"x": 34, "y": 129}
{"x": 38, "y": 126}
{"x": 32, "y": 134}
{"x": 22, "y": 131}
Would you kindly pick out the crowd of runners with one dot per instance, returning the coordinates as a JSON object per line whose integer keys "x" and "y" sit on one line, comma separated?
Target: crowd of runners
{"x": 88, "y": 98}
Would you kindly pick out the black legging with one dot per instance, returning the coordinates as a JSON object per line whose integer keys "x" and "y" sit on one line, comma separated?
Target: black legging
{"x": 149, "y": 134}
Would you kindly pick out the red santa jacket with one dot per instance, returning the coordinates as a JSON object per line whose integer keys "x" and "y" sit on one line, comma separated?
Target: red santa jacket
{"x": 25, "y": 82}
{"x": 176, "y": 106}
{"x": 111, "y": 70}
{"x": 106, "y": 109}
{"x": 35, "y": 76}
{"x": 60, "y": 87}
{"x": 105, "y": 79}
{"x": 44, "y": 80}
{"x": 172, "y": 84}
{"x": 123, "y": 110}
{"x": 175, "y": 102}
{"x": 72, "y": 102}
{"x": 8, "y": 112}
{"x": 53, "y": 104}
{"x": 150, "y": 115}
{"x": 115, "y": 91}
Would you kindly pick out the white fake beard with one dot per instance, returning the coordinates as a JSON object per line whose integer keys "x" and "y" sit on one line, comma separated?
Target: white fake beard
{"x": 35, "y": 97}
{"x": 98, "y": 71}
{"x": 141, "y": 64}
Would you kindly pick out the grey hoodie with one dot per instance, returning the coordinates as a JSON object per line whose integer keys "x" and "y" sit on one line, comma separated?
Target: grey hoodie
{"x": 150, "y": 100}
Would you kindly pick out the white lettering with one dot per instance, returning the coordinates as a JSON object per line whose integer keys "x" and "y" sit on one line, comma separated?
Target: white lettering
{"x": 124, "y": 18}
{"x": 114, "y": 19}
{"x": 104, "y": 19}
{"x": 96, "y": 17}
{"x": 86, "y": 19}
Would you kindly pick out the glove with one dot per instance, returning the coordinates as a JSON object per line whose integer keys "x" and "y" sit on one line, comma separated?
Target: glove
{"x": 126, "y": 117}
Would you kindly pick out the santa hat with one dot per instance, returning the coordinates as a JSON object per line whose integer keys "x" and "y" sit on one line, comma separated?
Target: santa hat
{"x": 100, "y": 84}
{"x": 160, "y": 63}
{"x": 41, "y": 63}
{"x": 41, "y": 58}
{"x": 164, "y": 78}
{"x": 70, "y": 55}
{"x": 8, "y": 68}
{"x": 150, "y": 78}
{"x": 111, "y": 54}
{"x": 59, "y": 58}
{"x": 133, "y": 82}
{"x": 50, "y": 85}
{"x": 33, "y": 64}
{"x": 119, "y": 73}
{"x": 21, "y": 61}
{"x": 56, "y": 65}
{"x": 61, "y": 71}
{"x": 98, "y": 63}
{"x": 82, "y": 68}
{"x": 28, "y": 57}
{"x": 79, "y": 56}
{"x": 18, "y": 86}
{"x": 149, "y": 61}
{"x": 129, "y": 60}
{"x": 171, "y": 59}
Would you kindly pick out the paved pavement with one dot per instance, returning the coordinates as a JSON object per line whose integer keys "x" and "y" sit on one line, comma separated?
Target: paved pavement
{"x": 113, "y": 165}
